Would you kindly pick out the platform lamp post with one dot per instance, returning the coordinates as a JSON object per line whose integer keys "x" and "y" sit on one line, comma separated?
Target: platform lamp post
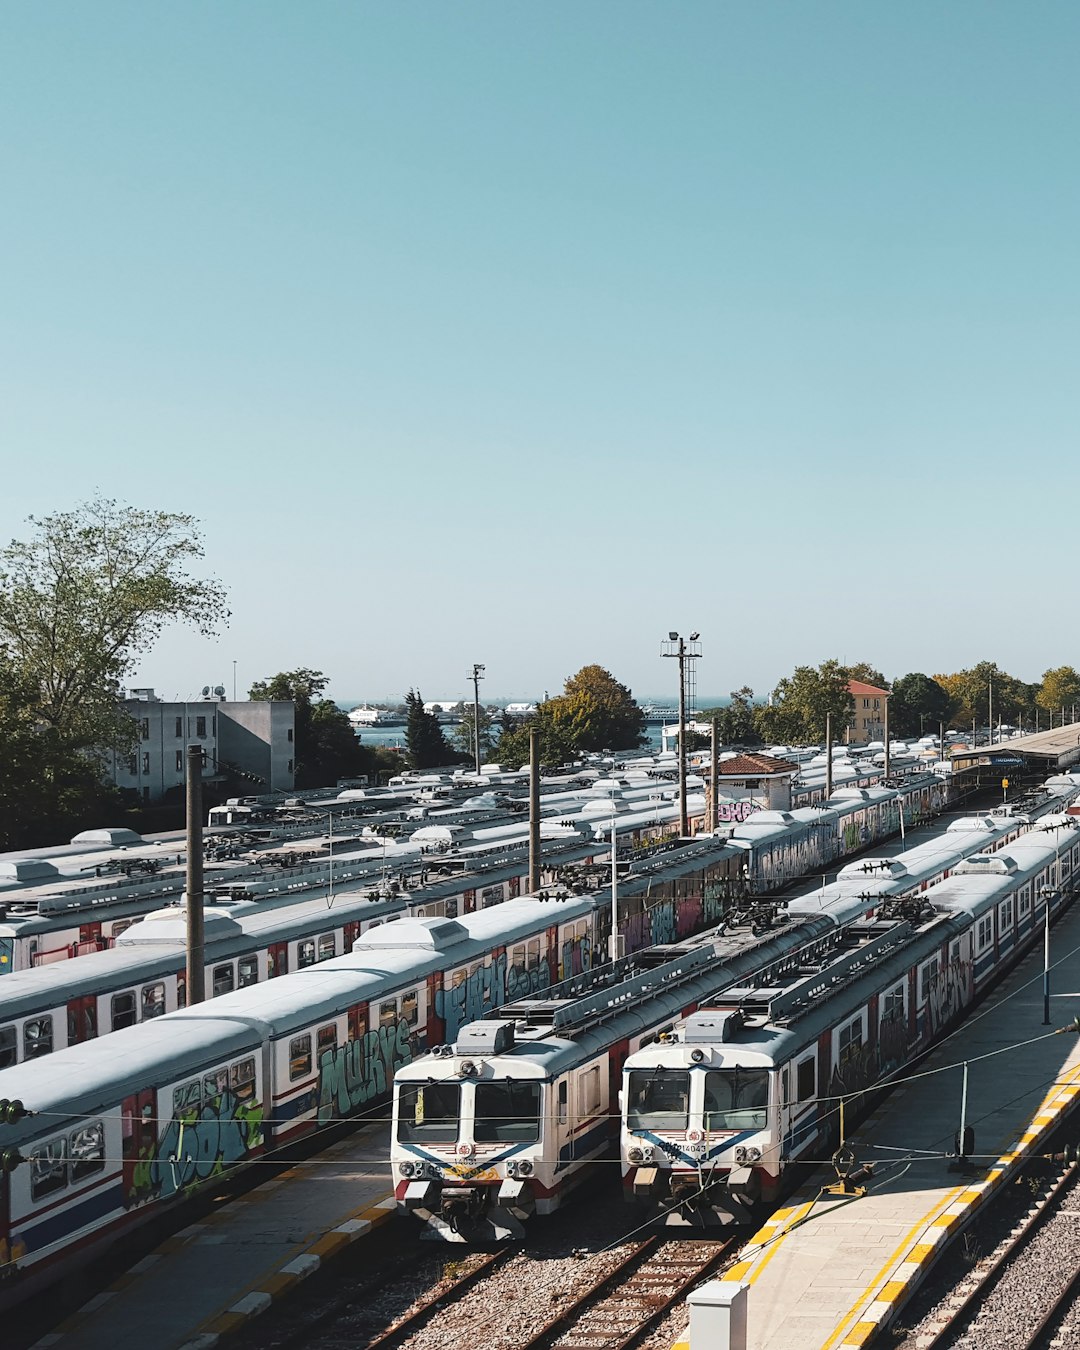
{"x": 476, "y": 676}
{"x": 682, "y": 649}
{"x": 1047, "y": 895}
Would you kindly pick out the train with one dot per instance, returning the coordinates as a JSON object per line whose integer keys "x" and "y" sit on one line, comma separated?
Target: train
{"x": 562, "y": 1054}
{"x": 716, "y": 1114}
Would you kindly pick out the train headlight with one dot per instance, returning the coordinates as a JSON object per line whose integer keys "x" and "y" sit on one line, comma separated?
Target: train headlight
{"x": 697, "y": 1056}
{"x": 753, "y": 1155}
{"x": 407, "y": 1169}
{"x": 524, "y": 1168}
{"x": 635, "y": 1155}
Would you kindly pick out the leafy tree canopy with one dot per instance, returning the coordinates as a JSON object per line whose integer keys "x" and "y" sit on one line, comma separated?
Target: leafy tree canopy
{"x": 1060, "y": 688}
{"x": 86, "y": 595}
{"x": 736, "y": 724}
{"x": 918, "y": 704}
{"x": 427, "y": 747}
{"x": 972, "y": 701}
{"x": 801, "y": 702}
{"x": 462, "y": 735}
{"x": 596, "y": 712}
{"x": 555, "y": 745}
{"x": 867, "y": 673}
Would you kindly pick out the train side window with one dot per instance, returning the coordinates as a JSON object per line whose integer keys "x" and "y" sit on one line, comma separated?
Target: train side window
{"x": 327, "y": 946}
{"x": 1005, "y": 916}
{"x": 388, "y": 1013}
{"x": 410, "y": 1007}
{"x": 87, "y": 1150}
{"x": 533, "y": 958}
{"x": 928, "y": 972}
{"x": 1024, "y": 903}
{"x": 806, "y": 1079}
{"x": 37, "y": 1037}
{"x": 242, "y": 1079}
{"x": 123, "y": 1012}
{"x": 216, "y": 1083}
{"x": 224, "y": 980}
{"x": 48, "y": 1169}
{"x": 9, "y": 1047}
{"x": 153, "y": 1001}
{"x": 984, "y": 933}
{"x": 305, "y": 953}
{"x": 187, "y": 1101}
{"x": 248, "y": 968}
{"x": 563, "y": 1102}
{"x": 590, "y": 1091}
{"x": 849, "y": 1041}
{"x": 299, "y": 1057}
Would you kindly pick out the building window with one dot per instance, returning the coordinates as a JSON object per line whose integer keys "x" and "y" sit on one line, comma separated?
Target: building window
{"x": 179, "y": 761}
{"x": 144, "y": 729}
{"x": 213, "y": 725}
{"x": 866, "y": 703}
{"x": 146, "y": 761}
{"x": 200, "y": 727}
{"x": 290, "y": 734}
{"x": 290, "y": 768}
{"x": 133, "y": 764}
{"x": 179, "y": 727}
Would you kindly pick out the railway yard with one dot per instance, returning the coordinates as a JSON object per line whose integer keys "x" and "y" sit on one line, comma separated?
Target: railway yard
{"x": 311, "y": 1232}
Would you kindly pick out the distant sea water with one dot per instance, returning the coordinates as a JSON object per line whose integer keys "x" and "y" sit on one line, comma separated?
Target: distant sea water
{"x": 394, "y": 737}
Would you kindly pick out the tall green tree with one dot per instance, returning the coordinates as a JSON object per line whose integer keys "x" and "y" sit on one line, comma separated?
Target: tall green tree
{"x": 801, "y": 702}
{"x": 735, "y": 723}
{"x": 555, "y": 745}
{"x": 85, "y": 596}
{"x": 462, "y": 735}
{"x": 1060, "y": 688}
{"x": 986, "y": 689}
{"x": 326, "y": 745}
{"x": 918, "y": 704}
{"x": 596, "y": 712}
{"x": 426, "y": 744}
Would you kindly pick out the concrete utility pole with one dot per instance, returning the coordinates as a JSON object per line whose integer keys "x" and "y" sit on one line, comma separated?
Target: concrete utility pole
{"x": 714, "y": 770}
{"x": 476, "y": 676}
{"x": 828, "y": 755}
{"x": 888, "y": 760}
{"x": 534, "y": 811}
{"x": 196, "y": 943}
{"x": 677, "y": 648}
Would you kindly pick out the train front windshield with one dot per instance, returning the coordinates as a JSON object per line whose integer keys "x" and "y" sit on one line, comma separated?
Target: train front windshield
{"x": 428, "y": 1113}
{"x": 506, "y": 1111}
{"x": 658, "y": 1099}
{"x": 736, "y": 1099}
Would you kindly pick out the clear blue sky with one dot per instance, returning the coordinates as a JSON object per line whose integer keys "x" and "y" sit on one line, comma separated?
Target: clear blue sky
{"x": 522, "y": 333}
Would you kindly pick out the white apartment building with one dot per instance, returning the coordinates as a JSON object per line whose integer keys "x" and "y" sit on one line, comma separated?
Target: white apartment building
{"x": 251, "y": 740}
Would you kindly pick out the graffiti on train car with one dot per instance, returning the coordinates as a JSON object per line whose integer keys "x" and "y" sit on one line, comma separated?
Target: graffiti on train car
{"x": 198, "y": 1145}
{"x": 362, "y": 1069}
{"x": 948, "y": 992}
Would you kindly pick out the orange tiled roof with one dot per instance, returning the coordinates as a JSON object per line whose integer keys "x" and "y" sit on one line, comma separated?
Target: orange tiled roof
{"x": 860, "y": 690}
{"x": 754, "y": 766}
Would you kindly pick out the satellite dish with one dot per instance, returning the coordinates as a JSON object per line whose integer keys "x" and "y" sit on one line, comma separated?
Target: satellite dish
{"x": 205, "y": 690}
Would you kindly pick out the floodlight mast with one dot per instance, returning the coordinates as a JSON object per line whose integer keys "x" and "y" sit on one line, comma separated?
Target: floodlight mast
{"x": 682, "y": 650}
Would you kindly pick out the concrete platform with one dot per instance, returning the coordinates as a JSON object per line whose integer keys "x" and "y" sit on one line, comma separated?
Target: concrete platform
{"x": 208, "y": 1279}
{"x": 829, "y": 1273}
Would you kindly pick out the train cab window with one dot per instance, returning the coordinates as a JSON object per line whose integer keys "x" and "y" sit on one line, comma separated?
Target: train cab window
{"x": 48, "y": 1169}
{"x": 507, "y": 1112}
{"x": 9, "y": 1047}
{"x": 428, "y": 1112}
{"x": 299, "y": 1057}
{"x": 806, "y": 1079}
{"x": 37, "y": 1037}
{"x": 736, "y": 1099}
{"x": 86, "y": 1148}
{"x": 326, "y": 946}
{"x": 659, "y": 1099}
{"x": 224, "y": 980}
{"x": 248, "y": 970}
{"x": 242, "y": 1079}
{"x": 153, "y": 1001}
{"x": 122, "y": 1008}
{"x": 305, "y": 953}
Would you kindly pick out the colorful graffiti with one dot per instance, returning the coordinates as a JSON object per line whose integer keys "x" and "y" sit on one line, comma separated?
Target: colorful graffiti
{"x": 362, "y": 1069}
{"x": 199, "y": 1145}
{"x": 947, "y": 994}
{"x": 735, "y": 812}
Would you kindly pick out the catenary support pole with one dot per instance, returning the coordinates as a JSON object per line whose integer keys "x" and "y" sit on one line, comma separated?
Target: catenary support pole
{"x": 196, "y": 943}
{"x": 888, "y": 759}
{"x": 828, "y": 755}
{"x": 684, "y": 825}
{"x": 714, "y": 775}
{"x": 534, "y": 811}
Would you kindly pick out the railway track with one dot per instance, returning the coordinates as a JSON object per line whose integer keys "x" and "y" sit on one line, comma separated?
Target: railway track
{"x": 628, "y": 1302}
{"x": 1017, "y": 1299}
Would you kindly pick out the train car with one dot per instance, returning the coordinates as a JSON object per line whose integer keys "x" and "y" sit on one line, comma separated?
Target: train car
{"x": 504, "y": 1121}
{"x": 715, "y": 1116}
{"x": 156, "y": 1109}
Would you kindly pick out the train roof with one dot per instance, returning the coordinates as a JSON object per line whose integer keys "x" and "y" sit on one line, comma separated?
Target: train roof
{"x": 81, "y": 1081}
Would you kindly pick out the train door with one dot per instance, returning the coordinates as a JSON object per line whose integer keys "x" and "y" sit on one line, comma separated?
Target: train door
{"x": 278, "y": 954}
{"x": 351, "y": 933}
{"x": 564, "y": 1126}
{"x": 90, "y": 939}
{"x": 82, "y": 1019}
{"x": 138, "y": 1121}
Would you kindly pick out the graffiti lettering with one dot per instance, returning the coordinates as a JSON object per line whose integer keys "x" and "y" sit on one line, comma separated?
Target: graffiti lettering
{"x": 362, "y": 1069}
{"x": 736, "y": 812}
{"x": 201, "y": 1145}
{"x": 472, "y": 997}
